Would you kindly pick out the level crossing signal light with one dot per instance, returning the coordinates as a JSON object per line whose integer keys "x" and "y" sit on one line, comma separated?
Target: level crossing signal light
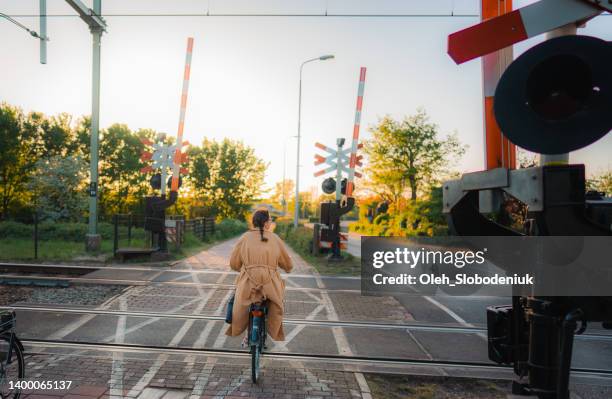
{"x": 162, "y": 158}
{"x": 329, "y": 186}
{"x": 555, "y": 98}
{"x": 338, "y": 161}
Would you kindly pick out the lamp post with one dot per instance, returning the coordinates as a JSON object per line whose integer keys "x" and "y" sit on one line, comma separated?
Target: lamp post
{"x": 299, "y": 137}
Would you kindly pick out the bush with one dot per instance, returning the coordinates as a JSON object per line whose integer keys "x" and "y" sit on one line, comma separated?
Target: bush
{"x": 229, "y": 228}
{"x": 16, "y": 230}
{"x": 299, "y": 239}
{"x": 76, "y": 232}
{"x": 49, "y": 230}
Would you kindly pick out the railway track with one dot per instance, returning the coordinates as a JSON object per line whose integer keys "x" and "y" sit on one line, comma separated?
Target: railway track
{"x": 346, "y": 363}
{"x": 306, "y": 322}
{"x": 17, "y": 279}
{"x": 81, "y": 269}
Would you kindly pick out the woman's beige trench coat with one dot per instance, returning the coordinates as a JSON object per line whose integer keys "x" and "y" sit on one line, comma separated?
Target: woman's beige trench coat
{"x": 259, "y": 278}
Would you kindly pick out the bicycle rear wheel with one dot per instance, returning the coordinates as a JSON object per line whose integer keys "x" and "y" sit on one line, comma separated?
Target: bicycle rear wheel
{"x": 11, "y": 370}
{"x": 255, "y": 363}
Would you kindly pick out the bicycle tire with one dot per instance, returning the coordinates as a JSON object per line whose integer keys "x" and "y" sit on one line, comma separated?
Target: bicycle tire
{"x": 254, "y": 363}
{"x": 17, "y": 355}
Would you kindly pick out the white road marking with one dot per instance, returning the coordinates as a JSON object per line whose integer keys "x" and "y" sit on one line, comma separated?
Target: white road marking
{"x": 282, "y": 346}
{"x": 200, "y": 383}
{"x": 116, "y": 380}
{"x": 176, "y": 340}
{"x": 148, "y": 376}
{"x": 75, "y": 325}
{"x": 363, "y": 386}
{"x": 454, "y": 315}
{"x": 236, "y": 382}
{"x": 222, "y": 337}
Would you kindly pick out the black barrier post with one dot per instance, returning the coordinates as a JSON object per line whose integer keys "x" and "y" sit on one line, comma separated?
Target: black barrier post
{"x": 36, "y": 234}
{"x": 115, "y": 235}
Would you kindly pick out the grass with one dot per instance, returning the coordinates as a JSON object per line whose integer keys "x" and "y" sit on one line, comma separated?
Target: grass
{"x": 300, "y": 240}
{"x": 350, "y": 266}
{"x": 23, "y": 249}
{"x": 61, "y": 250}
{"x": 425, "y": 387}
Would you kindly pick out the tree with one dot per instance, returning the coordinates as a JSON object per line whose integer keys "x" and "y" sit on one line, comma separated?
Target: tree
{"x": 18, "y": 154}
{"x": 122, "y": 184}
{"x": 601, "y": 182}
{"x": 408, "y": 154}
{"x": 59, "y": 186}
{"x": 226, "y": 176}
{"x": 283, "y": 190}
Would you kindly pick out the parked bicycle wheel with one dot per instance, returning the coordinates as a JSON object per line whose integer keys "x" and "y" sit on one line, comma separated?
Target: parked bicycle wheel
{"x": 11, "y": 369}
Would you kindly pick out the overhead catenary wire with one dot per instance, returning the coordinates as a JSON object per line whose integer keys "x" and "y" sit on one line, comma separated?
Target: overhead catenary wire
{"x": 22, "y": 26}
{"x": 260, "y": 15}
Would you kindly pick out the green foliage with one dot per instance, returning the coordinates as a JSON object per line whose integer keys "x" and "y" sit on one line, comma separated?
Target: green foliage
{"x": 44, "y": 163}
{"x": 300, "y": 240}
{"x": 601, "y": 182}
{"x": 24, "y": 141}
{"x": 15, "y": 230}
{"x": 58, "y": 185}
{"x": 408, "y": 154}
{"x": 226, "y": 176}
{"x": 229, "y": 228}
{"x": 122, "y": 185}
{"x": 49, "y": 230}
{"x": 54, "y": 250}
{"x": 422, "y": 217}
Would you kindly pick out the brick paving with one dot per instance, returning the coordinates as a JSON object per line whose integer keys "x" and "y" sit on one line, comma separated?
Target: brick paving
{"x": 211, "y": 378}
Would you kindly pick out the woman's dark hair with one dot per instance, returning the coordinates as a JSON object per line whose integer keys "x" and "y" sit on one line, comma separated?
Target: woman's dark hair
{"x": 260, "y": 218}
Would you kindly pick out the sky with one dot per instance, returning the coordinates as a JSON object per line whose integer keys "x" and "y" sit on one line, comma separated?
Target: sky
{"x": 245, "y": 71}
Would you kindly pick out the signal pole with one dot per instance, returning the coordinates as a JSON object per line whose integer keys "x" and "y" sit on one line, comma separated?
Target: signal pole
{"x": 93, "y": 238}
{"x": 96, "y": 26}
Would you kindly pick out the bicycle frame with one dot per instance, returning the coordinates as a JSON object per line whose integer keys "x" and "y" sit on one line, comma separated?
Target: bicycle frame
{"x": 257, "y": 323}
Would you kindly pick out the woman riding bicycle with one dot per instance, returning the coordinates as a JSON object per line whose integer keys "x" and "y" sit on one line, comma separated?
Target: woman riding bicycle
{"x": 257, "y": 256}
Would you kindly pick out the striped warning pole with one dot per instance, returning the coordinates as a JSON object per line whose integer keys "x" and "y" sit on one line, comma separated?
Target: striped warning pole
{"x": 176, "y": 167}
{"x": 499, "y": 151}
{"x": 505, "y": 27}
{"x": 355, "y": 144}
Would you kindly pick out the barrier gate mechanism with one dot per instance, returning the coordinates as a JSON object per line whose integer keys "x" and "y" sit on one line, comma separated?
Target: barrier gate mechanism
{"x": 166, "y": 157}
{"x": 342, "y": 161}
{"x": 555, "y": 98}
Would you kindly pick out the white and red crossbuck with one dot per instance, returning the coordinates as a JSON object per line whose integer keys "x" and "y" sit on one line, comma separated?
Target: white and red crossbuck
{"x": 529, "y": 21}
{"x": 492, "y": 39}
{"x": 345, "y": 160}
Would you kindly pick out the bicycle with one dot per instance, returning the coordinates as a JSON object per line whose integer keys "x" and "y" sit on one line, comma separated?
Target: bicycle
{"x": 11, "y": 350}
{"x": 257, "y": 335}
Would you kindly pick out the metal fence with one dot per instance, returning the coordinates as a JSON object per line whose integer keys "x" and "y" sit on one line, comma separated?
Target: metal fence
{"x": 130, "y": 234}
{"x": 201, "y": 227}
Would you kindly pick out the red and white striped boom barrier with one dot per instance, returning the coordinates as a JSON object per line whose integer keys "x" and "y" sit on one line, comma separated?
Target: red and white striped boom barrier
{"x": 178, "y": 157}
{"x": 355, "y": 144}
{"x": 496, "y": 33}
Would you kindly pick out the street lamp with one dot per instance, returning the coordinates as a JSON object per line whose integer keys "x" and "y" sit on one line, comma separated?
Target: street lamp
{"x": 297, "y": 166}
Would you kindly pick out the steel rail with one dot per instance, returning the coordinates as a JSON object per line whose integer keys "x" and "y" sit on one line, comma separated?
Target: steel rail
{"x": 339, "y": 359}
{"x": 69, "y": 268}
{"x": 173, "y": 283}
{"x": 315, "y": 323}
